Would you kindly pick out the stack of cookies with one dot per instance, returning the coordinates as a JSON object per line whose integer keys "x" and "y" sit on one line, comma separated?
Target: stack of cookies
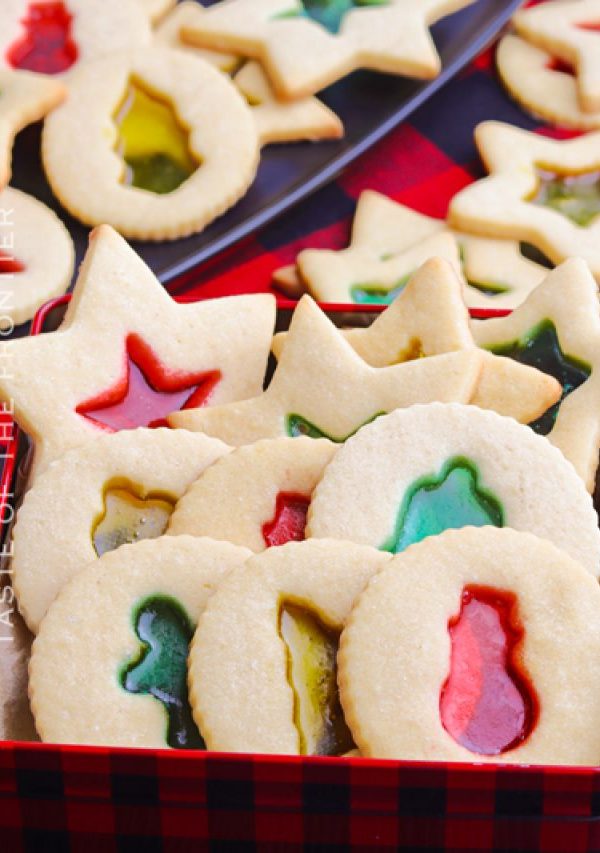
{"x": 390, "y": 551}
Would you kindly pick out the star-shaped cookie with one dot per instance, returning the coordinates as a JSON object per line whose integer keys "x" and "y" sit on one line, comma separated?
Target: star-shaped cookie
{"x": 24, "y": 98}
{"x": 322, "y": 388}
{"x": 390, "y": 240}
{"x": 570, "y": 31}
{"x": 558, "y": 330}
{"x": 127, "y": 354}
{"x": 306, "y": 45}
{"x": 429, "y": 318}
{"x": 278, "y": 121}
{"x": 543, "y": 191}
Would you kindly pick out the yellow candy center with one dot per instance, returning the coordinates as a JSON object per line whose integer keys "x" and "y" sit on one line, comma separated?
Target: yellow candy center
{"x": 128, "y": 518}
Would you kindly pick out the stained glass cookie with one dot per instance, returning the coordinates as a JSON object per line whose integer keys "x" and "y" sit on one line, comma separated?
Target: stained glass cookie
{"x": 142, "y": 123}
{"x": 306, "y": 45}
{"x": 36, "y": 257}
{"x": 476, "y": 645}
{"x": 265, "y": 650}
{"x": 108, "y": 666}
{"x": 54, "y": 36}
{"x": 323, "y": 389}
{"x": 257, "y": 496}
{"x": 419, "y": 471}
{"x": 542, "y": 191}
{"x": 118, "y": 489}
{"x": 130, "y": 368}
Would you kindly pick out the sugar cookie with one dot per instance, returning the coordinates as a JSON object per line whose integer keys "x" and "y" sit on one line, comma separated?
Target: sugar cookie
{"x": 168, "y": 34}
{"x": 543, "y": 90}
{"x": 157, "y": 9}
{"x": 257, "y": 496}
{"x": 557, "y": 329}
{"x": 109, "y": 663}
{"x": 262, "y": 661}
{"x": 543, "y": 191}
{"x": 422, "y": 470}
{"x": 305, "y": 46}
{"x": 130, "y": 368}
{"x": 416, "y": 687}
{"x": 142, "y": 123}
{"x": 24, "y": 98}
{"x": 53, "y": 37}
{"x": 569, "y": 31}
{"x": 323, "y": 389}
{"x": 36, "y": 257}
{"x": 120, "y": 488}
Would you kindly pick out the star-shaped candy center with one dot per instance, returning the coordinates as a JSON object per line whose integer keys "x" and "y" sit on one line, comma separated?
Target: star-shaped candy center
{"x": 329, "y": 13}
{"x": 160, "y": 668}
{"x": 47, "y": 45}
{"x": 296, "y": 426}
{"x": 147, "y": 392}
{"x": 575, "y": 196}
{"x": 540, "y": 348}
{"x": 433, "y": 504}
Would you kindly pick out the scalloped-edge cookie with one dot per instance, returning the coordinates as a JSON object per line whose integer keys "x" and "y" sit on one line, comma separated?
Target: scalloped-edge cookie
{"x": 254, "y": 684}
{"x": 38, "y": 253}
{"x": 108, "y": 666}
{"x": 542, "y": 191}
{"x": 257, "y": 496}
{"x": 569, "y": 31}
{"x": 392, "y": 700}
{"x": 542, "y": 90}
{"x": 419, "y": 471}
{"x": 306, "y": 47}
{"x": 119, "y": 488}
{"x": 24, "y": 99}
{"x": 558, "y": 329}
{"x": 130, "y": 368}
{"x": 91, "y": 28}
{"x": 194, "y": 174}
{"x": 323, "y": 389}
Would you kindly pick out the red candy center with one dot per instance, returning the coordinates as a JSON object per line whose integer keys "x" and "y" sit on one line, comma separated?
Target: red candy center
{"x": 9, "y": 265}
{"x": 289, "y": 521}
{"x": 590, "y": 26}
{"x": 147, "y": 392}
{"x": 46, "y": 45}
{"x": 555, "y": 64}
{"x": 487, "y": 703}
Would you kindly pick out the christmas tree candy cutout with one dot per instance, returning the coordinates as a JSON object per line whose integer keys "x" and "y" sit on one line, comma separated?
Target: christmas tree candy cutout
{"x": 311, "y": 650}
{"x": 329, "y": 13}
{"x": 160, "y": 668}
{"x": 487, "y": 704}
{"x": 46, "y": 46}
{"x": 452, "y": 499}
{"x": 540, "y": 348}
{"x": 129, "y": 518}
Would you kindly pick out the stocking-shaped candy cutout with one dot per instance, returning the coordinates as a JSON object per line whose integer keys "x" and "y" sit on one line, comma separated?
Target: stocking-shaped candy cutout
{"x": 147, "y": 392}
{"x": 47, "y": 45}
{"x": 289, "y": 522}
{"x": 160, "y": 669}
{"x": 487, "y": 703}
{"x": 129, "y": 518}
{"x": 312, "y": 673}
{"x": 453, "y": 499}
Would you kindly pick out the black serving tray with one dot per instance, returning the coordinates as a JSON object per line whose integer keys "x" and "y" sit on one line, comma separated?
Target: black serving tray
{"x": 369, "y": 104}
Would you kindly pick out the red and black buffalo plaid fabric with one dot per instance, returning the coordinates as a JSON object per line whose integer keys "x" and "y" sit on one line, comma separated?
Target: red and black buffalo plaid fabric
{"x": 72, "y": 800}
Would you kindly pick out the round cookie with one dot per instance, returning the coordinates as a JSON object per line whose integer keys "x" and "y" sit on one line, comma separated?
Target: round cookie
{"x": 119, "y": 488}
{"x": 419, "y": 471}
{"x": 272, "y": 624}
{"x": 256, "y": 496}
{"x": 109, "y": 664}
{"x": 402, "y": 640}
{"x": 88, "y": 30}
{"x": 143, "y": 124}
{"x": 41, "y": 260}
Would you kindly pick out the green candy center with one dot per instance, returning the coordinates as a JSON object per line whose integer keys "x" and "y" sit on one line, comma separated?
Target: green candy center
{"x": 575, "y": 196}
{"x": 375, "y": 294}
{"x": 329, "y": 13}
{"x": 451, "y": 500}
{"x": 540, "y": 347}
{"x": 296, "y": 426}
{"x": 311, "y": 649}
{"x": 160, "y": 667}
